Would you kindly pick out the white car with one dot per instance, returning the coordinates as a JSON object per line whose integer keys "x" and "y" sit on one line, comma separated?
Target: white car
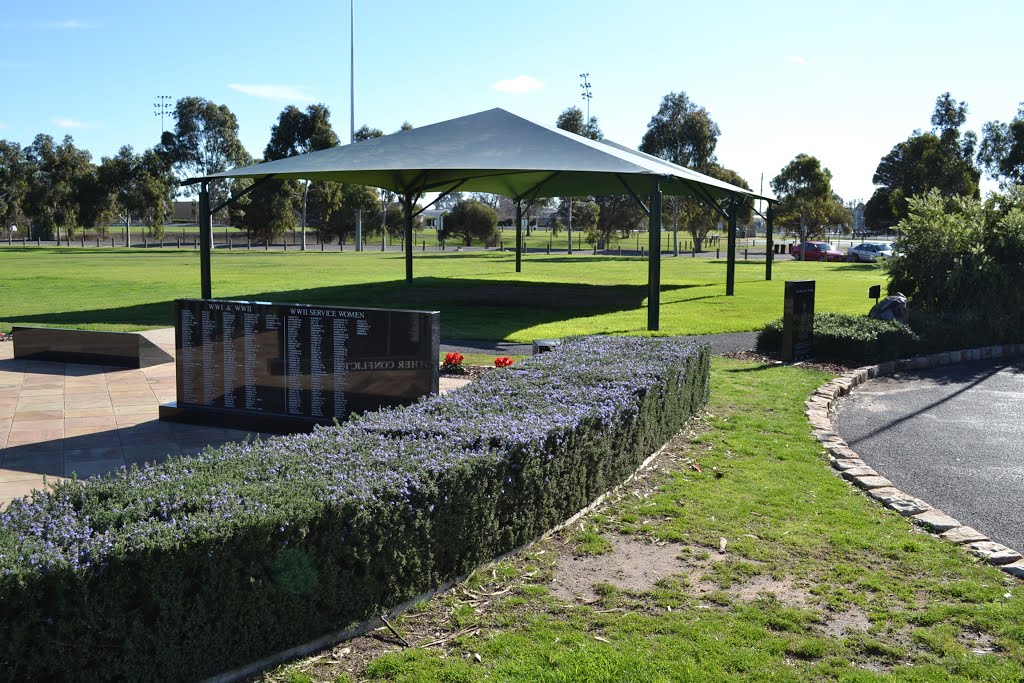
{"x": 869, "y": 252}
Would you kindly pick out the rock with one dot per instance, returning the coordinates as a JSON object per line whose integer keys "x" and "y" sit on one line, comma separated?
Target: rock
{"x": 908, "y": 506}
{"x": 994, "y": 553}
{"x": 964, "y": 534}
{"x": 846, "y": 464}
{"x": 892, "y": 308}
{"x": 871, "y": 482}
{"x": 864, "y": 471}
{"x": 936, "y": 520}
{"x": 1015, "y": 568}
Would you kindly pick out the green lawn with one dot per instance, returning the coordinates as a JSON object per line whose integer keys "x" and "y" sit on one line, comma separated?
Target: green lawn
{"x": 817, "y": 582}
{"x": 479, "y": 294}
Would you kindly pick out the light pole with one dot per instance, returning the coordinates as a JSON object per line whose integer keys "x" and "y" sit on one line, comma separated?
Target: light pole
{"x": 162, "y": 107}
{"x": 352, "y": 107}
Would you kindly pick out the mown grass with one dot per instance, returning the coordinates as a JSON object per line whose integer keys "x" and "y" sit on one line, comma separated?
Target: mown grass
{"x": 805, "y": 551}
{"x": 479, "y": 294}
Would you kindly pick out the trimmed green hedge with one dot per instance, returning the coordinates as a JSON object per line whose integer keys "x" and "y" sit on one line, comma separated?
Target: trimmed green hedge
{"x": 849, "y": 337}
{"x": 200, "y": 565}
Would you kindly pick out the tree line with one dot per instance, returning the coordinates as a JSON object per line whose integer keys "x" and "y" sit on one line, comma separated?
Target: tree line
{"x": 47, "y": 187}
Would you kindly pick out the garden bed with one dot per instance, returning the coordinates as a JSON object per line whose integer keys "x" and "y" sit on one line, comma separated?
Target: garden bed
{"x": 202, "y": 564}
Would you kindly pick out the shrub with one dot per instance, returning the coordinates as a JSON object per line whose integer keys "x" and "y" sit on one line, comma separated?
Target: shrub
{"x": 849, "y": 337}
{"x": 960, "y": 265}
{"x": 181, "y": 570}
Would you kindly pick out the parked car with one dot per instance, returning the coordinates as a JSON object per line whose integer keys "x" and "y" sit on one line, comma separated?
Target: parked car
{"x": 816, "y": 251}
{"x": 869, "y": 252}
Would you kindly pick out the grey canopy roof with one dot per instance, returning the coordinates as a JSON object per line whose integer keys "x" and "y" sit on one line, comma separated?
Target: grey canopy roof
{"x": 497, "y": 152}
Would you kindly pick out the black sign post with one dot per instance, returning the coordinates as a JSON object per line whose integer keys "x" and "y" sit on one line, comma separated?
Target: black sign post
{"x": 285, "y": 367}
{"x": 798, "y": 321}
{"x": 874, "y": 292}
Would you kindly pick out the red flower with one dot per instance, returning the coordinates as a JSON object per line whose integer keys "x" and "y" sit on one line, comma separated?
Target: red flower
{"x": 502, "y": 362}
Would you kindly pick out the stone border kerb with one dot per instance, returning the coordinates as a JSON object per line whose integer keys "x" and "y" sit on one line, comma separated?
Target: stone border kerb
{"x": 851, "y": 467}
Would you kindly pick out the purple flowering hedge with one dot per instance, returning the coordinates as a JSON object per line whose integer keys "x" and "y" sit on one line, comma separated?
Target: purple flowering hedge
{"x": 202, "y": 564}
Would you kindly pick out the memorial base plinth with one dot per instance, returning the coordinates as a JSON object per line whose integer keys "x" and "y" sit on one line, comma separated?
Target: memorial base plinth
{"x": 88, "y": 347}
{"x": 232, "y": 419}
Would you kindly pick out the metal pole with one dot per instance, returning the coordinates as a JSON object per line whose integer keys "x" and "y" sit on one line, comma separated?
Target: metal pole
{"x": 205, "y": 240}
{"x": 730, "y": 265}
{"x": 675, "y": 225}
{"x": 519, "y": 235}
{"x": 407, "y": 203}
{"x": 570, "y": 225}
{"x": 304, "y": 195}
{"x": 769, "y": 246}
{"x": 654, "y": 261}
{"x": 352, "y": 71}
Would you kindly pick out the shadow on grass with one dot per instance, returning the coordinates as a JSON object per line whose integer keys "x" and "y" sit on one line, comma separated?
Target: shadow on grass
{"x": 470, "y": 309}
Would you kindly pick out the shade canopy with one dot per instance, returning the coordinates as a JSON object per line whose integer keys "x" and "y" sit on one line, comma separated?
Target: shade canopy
{"x": 498, "y": 152}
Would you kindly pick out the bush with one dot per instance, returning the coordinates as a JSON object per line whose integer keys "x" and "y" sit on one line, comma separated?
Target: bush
{"x": 961, "y": 264}
{"x": 198, "y": 565}
{"x": 849, "y": 337}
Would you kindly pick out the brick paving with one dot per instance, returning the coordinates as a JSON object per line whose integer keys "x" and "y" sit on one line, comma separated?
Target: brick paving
{"x": 64, "y": 419}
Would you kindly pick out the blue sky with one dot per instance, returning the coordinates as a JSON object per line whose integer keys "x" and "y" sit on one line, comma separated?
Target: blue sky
{"x": 841, "y": 81}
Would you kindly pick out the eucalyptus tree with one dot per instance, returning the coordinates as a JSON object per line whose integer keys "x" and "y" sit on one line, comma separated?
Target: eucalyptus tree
{"x": 941, "y": 159}
{"x": 204, "y": 141}
{"x": 55, "y": 174}
{"x": 13, "y": 185}
{"x": 684, "y": 133}
{"x": 807, "y": 204}
{"x": 1002, "y": 150}
{"x": 274, "y": 204}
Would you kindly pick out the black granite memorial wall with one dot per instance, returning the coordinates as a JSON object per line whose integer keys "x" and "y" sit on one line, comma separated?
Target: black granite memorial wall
{"x": 285, "y": 367}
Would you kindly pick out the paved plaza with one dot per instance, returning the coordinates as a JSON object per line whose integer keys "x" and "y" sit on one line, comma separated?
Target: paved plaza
{"x": 64, "y": 419}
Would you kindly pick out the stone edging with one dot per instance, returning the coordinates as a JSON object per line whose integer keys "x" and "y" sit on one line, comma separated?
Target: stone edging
{"x": 849, "y": 465}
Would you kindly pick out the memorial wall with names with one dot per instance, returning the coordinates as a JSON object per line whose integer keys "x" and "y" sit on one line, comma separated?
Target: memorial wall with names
{"x": 313, "y": 363}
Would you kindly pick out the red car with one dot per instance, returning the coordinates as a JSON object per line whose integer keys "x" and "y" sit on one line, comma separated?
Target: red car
{"x": 816, "y": 251}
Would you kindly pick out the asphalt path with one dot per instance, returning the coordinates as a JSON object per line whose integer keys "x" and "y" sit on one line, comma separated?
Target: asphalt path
{"x": 952, "y": 436}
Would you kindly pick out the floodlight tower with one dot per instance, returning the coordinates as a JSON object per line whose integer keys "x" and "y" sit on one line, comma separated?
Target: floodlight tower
{"x": 586, "y": 95}
{"x": 161, "y": 108}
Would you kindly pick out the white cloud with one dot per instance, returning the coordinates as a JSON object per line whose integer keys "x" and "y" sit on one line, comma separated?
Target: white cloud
{"x": 284, "y": 93}
{"x": 795, "y": 59}
{"x": 70, "y": 24}
{"x": 68, "y": 122}
{"x": 519, "y": 85}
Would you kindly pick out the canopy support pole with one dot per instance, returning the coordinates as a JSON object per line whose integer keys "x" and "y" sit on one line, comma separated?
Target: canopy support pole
{"x": 519, "y": 235}
{"x": 205, "y": 240}
{"x": 407, "y": 204}
{"x": 730, "y": 266}
{"x": 206, "y": 230}
{"x": 769, "y": 250}
{"x": 654, "y": 261}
